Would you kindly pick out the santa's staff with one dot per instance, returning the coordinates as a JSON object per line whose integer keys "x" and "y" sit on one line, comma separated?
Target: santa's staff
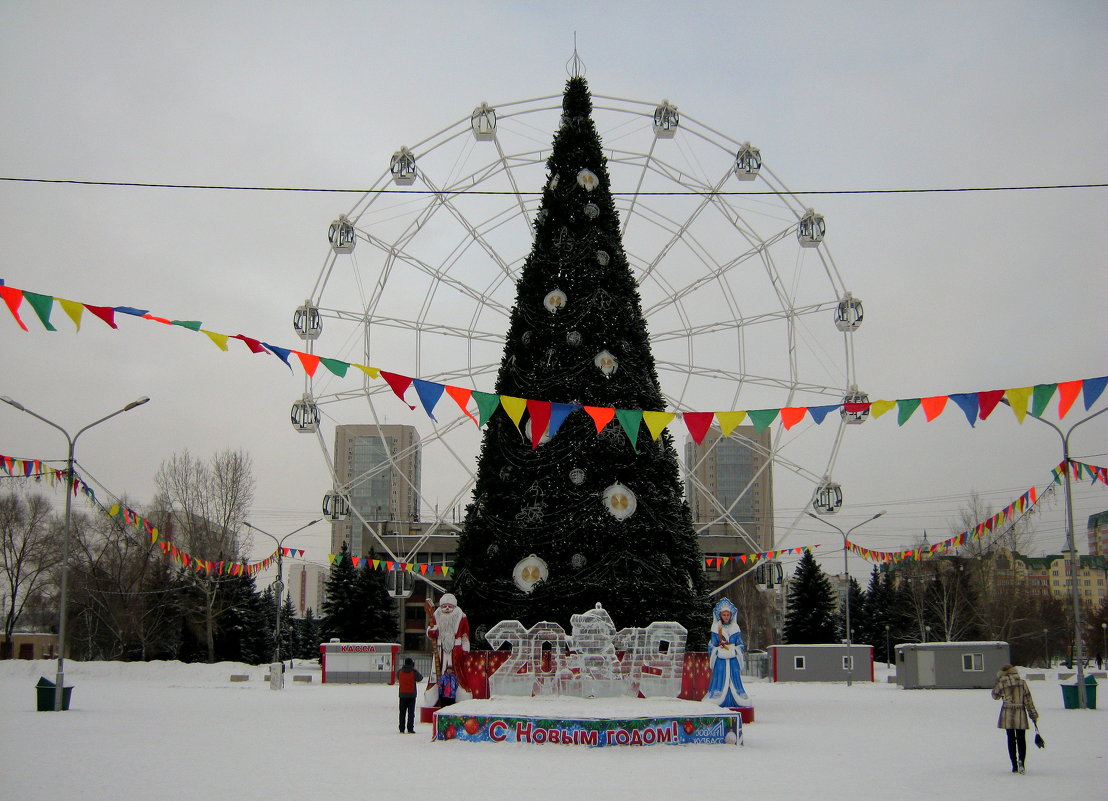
{"x": 429, "y": 608}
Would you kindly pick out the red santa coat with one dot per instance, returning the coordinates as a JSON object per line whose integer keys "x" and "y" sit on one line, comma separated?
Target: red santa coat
{"x": 460, "y": 642}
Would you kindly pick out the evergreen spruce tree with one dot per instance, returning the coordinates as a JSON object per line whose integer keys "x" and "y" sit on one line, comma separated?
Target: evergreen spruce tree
{"x": 378, "y": 610}
{"x": 290, "y": 632}
{"x": 310, "y": 636}
{"x": 811, "y": 615}
{"x": 358, "y": 606}
{"x": 604, "y": 512}
{"x": 880, "y": 607}
{"x": 858, "y": 619}
{"x": 339, "y": 612}
{"x": 244, "y": 631}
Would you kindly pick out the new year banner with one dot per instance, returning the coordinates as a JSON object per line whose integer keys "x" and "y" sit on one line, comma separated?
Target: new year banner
{"x": 720, "y": 729}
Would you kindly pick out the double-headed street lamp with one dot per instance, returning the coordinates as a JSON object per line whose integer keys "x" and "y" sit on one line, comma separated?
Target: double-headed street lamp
{"x": 846, "y": 570}
{"x": 60, "y": 677}
{"x": 1071, "y": 551}
{"x": 279, "y": 586}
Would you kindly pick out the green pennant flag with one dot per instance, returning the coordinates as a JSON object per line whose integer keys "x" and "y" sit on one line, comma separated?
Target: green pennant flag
{"x": 1041, "y": 397}
{"x": 192, "y": 325}
{"x": 487, "y": 403}
{"x": 630, "y": 419}
{"x": 42, "y": 304}
{"x": 337, "y": 367}
{"x": 905, "y": 409}
{"x": 761, "y": 418}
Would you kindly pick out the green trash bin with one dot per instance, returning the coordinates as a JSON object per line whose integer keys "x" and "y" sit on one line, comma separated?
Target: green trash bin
{"x": 1070, "y": 696}
{"x": 44, "y": 691}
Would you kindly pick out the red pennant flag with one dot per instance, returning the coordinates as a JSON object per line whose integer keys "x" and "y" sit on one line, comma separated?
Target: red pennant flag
{"x": 601, "y": 416}
{"x": 540, "y": 419}
{"x": 105, "y": 313}
{"x": 13, "y": 297}
{"x": 399, "y": 384}
{"x": 254, "y": 345}
{"x": 698, "y": 424}
{"x": 987, "y": 401}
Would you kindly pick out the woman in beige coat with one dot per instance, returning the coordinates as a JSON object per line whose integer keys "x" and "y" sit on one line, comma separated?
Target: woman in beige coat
{"x": 1014, "y": 712}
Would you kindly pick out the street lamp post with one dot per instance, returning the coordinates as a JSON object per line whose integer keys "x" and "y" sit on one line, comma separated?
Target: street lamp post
{"x": 1071, "y": 551}
{"x": 888, "y": 648}
{"x": 846, "y": 569}
{"x": 279, "y": 586}
{"x": 70, "y": 477}
{"x": 1103, "y": 642}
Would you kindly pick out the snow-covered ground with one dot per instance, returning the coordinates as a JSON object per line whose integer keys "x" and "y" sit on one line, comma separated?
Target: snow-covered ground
{"x": 147, "y": 732}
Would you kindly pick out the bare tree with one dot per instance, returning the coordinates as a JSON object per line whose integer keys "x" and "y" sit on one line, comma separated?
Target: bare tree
{"x": 29, "y": 553}
{"x": 1001, "y": 593}
{"x": 123, "y": 598}
{"x": 203, "y": 504}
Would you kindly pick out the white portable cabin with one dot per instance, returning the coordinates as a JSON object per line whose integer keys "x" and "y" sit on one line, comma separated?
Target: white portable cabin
{"x": 821, "y": 662}
{"x": 949, "y": 665}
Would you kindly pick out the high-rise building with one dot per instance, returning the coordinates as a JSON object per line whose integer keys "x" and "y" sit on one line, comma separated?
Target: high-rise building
{"x": 729, "y": 489}
{"x": 380, "y": 468}
{"x": 306, "y": 587}
{"x": 1098, "y": 534}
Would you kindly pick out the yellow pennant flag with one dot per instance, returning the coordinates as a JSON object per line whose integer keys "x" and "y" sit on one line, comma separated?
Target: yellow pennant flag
{"x": 372, "y": 372}
{"x": 73, "y": 309}
{"x": 1018, "y": 399}
{"x": 657, "y": 421}
{"x": 220, "y": 340}
{"x": 515, "y": 407}
{"x": 728, "y": 421}
{"x": 878, "y": 408}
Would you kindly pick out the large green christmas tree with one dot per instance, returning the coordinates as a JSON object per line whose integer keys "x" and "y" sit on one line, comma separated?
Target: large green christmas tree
{"x": 603, "y": 513}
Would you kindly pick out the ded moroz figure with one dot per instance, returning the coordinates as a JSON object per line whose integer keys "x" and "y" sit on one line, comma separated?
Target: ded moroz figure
{"x": 450, "y": 632}
{"x": 725, "y": 658}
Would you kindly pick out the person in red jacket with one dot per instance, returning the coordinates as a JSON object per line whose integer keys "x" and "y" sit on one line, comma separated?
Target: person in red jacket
{"x": 408, "y": 678}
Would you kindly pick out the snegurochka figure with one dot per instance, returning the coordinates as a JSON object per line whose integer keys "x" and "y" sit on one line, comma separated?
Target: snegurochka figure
{"x": 725, "y": 657}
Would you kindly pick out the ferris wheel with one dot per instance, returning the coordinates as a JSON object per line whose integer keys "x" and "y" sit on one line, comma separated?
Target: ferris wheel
{"x": 745, "y": 306}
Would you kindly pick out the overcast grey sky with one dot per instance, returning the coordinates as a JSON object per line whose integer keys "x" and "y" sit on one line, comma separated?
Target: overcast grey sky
{"x": 963, "y": 292}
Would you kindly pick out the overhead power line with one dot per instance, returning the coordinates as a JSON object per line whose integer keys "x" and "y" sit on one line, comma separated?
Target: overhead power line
{"x": 323, "y": 190}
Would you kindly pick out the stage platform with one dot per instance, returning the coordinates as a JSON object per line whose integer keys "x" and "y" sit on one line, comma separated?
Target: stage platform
{"x": 591, "y": 722}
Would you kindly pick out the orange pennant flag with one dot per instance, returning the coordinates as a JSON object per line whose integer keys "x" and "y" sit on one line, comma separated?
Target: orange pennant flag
{"x": 461, "y": 396}
{"x": 1067, "y": 394}
{"x": 309, "y": 361}
{"x": 933, "y": 406}
{"x": 791, "y": 415}
{"x": 601, "y": 416}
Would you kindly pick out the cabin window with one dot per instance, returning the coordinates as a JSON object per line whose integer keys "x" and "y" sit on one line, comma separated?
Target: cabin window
{"x": 975, "y": 662}
{"x": 848, "y": 663}
{"x": 798, "y": 663}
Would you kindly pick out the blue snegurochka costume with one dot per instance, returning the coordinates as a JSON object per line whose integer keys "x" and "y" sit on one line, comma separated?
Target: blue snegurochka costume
{"x": 725, "y": 658}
